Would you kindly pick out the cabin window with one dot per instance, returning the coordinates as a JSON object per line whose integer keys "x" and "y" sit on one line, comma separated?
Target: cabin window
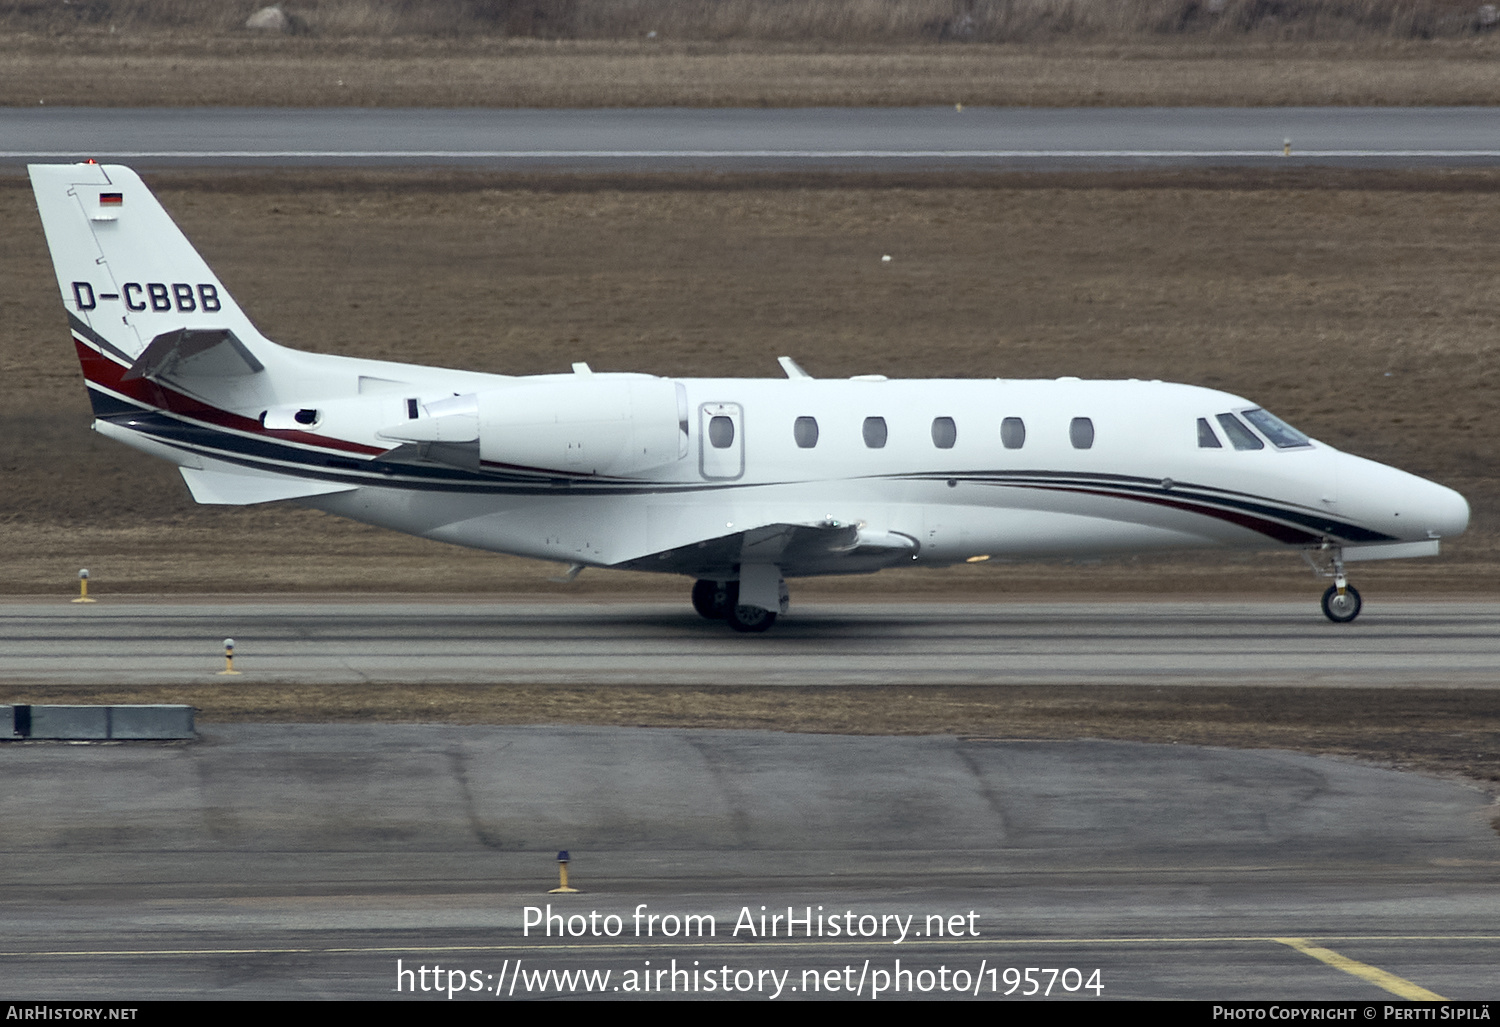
{"x": 1013, "y": 433}
{"x": 1206, "y": 437}
{"x": 1281, "y": 434}
{"x": 720, "y": 432}
{"x": 1240, "y": 437}
{"x": 412, "y": 413}
{"x": 1081, "y": 433}
{"x": 944, "y": 432}
{"x": 875, "y": 433}
{"x": 805, "y": 431}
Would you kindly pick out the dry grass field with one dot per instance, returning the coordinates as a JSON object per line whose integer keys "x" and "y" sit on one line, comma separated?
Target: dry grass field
{"x": 607, "y": 53}
{"x": 145, "y": 69}
{"x": 1361, "y": 308}
{"x": 827, "y": 21}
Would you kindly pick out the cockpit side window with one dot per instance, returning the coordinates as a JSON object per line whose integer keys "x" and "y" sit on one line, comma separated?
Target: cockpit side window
{"x": 1240, "y": 437}
{"x": 1206, "y": 437}
{"x": 1281, "y": 434}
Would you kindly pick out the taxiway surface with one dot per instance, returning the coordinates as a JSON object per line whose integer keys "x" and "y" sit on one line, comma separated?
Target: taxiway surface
{"x": 143, "y": 641}
{"x": 305, "y": 861}
{"x": 656, "y": 139}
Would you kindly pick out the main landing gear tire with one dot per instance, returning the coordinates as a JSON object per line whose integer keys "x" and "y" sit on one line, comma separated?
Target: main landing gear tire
{"x": 1341, "y": 609}
{"x": 714, "y": 599}
{"x": 750, "y": 619}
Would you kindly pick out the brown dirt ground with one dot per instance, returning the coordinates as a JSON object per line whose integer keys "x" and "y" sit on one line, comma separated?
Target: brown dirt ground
{"x": 1360, "y": 307}
{"x": 161, "y": 68}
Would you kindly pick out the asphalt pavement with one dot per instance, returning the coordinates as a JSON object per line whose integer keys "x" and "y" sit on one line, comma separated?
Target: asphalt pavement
{"x": 781, "y": 139}
{"x": 146, "y": 640}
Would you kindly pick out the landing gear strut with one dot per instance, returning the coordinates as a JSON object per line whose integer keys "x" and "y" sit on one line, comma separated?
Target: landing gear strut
{"x": 1341, "y": 603}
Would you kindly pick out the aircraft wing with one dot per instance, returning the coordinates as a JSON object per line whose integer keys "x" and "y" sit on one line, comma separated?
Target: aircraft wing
{"x": 798, "y": 549}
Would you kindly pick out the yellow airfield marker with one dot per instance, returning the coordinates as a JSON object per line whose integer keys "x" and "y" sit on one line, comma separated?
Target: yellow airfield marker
{"x": 83, "y": 588}
{"x": 228, "y": 658}
{"x": 562, "y": 874}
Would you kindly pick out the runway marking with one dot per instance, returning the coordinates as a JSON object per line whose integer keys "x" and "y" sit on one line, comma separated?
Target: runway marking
{"x": 1301, "y": 944}
{"x": 1389, "y": 981}
{"x": 760, "y": 154}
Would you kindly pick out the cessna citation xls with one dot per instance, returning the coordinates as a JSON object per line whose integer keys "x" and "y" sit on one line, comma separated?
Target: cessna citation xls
{"x": 737, "y": 483}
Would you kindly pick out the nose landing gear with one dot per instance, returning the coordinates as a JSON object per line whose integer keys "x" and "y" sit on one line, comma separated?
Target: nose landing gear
{"x": 1341, "y": 602}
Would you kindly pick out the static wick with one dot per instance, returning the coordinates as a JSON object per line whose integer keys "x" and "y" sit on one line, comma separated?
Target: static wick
{"x": 228, "y": 658}
{"x": 83, "y": 587}
{"x": 562, "y": 876}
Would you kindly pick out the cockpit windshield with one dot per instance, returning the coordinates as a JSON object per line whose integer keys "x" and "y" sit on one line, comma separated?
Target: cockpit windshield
{"x": 1240, "y": 437}
{"x": 1281, "y": 434}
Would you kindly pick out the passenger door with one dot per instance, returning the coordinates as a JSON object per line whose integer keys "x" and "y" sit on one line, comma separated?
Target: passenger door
{"x": 721, "y": 441}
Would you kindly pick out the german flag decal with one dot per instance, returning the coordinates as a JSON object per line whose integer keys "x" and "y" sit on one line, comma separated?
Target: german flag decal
{"x": 111, "y": 199}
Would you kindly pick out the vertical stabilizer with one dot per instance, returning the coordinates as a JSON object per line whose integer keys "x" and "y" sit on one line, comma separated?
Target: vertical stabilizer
{"x": 126, "y": 272}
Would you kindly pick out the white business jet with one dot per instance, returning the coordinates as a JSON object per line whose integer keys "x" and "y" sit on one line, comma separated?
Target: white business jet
{"x": 737, "y": 483}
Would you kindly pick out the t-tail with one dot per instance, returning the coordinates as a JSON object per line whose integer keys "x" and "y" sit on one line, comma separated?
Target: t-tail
{"x": 141, "y": 302}
{"x": 173, "y": 366}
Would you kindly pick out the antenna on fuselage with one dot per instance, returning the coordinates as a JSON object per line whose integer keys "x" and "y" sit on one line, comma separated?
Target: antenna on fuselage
{"x": 791, "y": 368}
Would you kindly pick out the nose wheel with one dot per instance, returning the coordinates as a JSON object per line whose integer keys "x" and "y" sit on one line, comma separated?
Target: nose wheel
{"x": 1341, "y": 603}
{"x": 1341, "y": 606}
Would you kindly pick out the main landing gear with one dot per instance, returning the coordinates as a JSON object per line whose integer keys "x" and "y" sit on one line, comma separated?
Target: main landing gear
{"x": 1341, "y": 602}
{"x": 720, "y": 600}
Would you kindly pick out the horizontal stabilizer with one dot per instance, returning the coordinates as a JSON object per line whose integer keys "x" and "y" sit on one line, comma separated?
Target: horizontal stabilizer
{"x": 194, "y": 353}
{"x": 225, "y": 488}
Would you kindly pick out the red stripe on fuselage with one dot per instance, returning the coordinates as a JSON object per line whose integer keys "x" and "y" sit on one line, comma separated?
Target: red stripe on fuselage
{"x": 1271, "y": 529}
{"x": 103, "y": 371}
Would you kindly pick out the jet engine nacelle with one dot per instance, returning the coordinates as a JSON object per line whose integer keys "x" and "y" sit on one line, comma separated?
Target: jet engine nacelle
{"x": 615, "y": 425}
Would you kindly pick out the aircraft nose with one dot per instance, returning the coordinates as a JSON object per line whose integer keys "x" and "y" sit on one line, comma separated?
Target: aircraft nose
{"x": 1445, "y": 512}
{"x": 1402, "y": 504}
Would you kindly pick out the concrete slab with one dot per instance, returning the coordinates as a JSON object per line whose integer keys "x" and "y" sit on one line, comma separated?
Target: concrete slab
{"x": 305, "y": 860}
